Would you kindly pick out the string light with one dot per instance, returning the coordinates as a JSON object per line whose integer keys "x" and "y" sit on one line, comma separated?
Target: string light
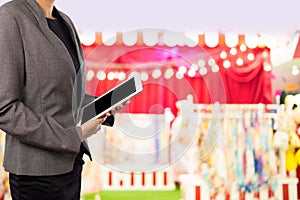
{"x": 111, "y": 76}
{"x": 265, "y": 54}
{"x": 144, "y": 76}
{"x": 182, "y": 69}
{"x": 89, "y": 75}
{"x": 267, "y": 67}
{"x": 211, "y": 62}
{"x": 169, "y": 73}
{"x": 203, "y": 71}
{"x": 226, "y": 64}
{"x": 239, "y": 61}
{"x": 223, "y": 55}
{"x": 101, "y": 75}
{"x": 156, "y": 73}
{"x": 250, "y": 56}
{"x": 133, "y": 73}
{"x": 233, "y": 51}
{"x": 215, "y": 68}
{"x": 179, "y": 75}
{"x": 243, "y": 47}
{"x": 201, "y": 63}
{"x": 121, "y": 76}
{"x": 192, "y": 72}
{"x": 295, "y": 70}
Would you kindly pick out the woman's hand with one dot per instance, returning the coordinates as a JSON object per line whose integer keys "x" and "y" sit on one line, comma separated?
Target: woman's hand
{"x": 119, "y": 107}
{"x": 92, "y": 127}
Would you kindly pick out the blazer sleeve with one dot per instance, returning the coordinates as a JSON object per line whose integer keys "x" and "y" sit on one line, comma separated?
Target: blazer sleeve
{"x": 16, "y": 119}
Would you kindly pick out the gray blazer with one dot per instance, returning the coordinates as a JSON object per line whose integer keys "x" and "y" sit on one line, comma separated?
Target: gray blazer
{"x": 39, "y": 110}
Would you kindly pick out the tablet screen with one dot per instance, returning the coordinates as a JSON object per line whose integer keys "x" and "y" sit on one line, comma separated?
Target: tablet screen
{"x": 109, "y": 99}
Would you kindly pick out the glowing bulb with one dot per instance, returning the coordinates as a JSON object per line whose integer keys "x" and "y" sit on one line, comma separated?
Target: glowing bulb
{"x": 144, "y": 76}
{"x": 239, "y": 61}
{"x": 111, "y": 76}
{"x": 243, "y": 47}
{"x": 179, "y": 75}
{"x": 192, "y": 73}
{"x": 203, "y": 71}
{"x": 182, "y": 69}
{"x": 211, "y": 62}
{"x": 156, "y": 73}
{"x": 201, "y": 63}
{"x": 295, "y": 70}
{"x": 233, "y": 51}
{"x": 169, "y": 73}
{"x": 267, "y": 67}
{"x": 223, "y": 55}
{"x": 265, "y": 54}
{"x": 121, "y": 76}
{"x": 133, "y": 73}
{"x": 101, "y": 75}
{"x": 215, "y": 68}
{"x": 250, "y": 56}
{"x": 226, "y": 64}
{"x": 89, "y": 75}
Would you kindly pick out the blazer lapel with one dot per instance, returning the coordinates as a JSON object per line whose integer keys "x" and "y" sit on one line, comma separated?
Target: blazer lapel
{"x": 57, "y": 44}
{"x": 73, "y": 34}
{"x": 79, "y": 85}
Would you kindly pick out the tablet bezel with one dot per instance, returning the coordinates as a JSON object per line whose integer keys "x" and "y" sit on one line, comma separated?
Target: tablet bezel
{"x": 138, "y": 89}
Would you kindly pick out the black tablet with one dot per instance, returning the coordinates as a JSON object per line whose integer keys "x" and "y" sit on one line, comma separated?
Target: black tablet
{"x": 116, "y": 96}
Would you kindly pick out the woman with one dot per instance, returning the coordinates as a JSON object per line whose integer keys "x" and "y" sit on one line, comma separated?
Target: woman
{"x": 42, "y": 83}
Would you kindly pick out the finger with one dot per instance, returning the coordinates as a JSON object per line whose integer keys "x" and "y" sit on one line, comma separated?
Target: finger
{"x": 126, "y": 103}
{"x": 105, "y": 115}
{"x": 99, "y": 127}
{"x": 113, "y": 111}
{"x": 118, "y": 108}
{"x": 101, "y": 120}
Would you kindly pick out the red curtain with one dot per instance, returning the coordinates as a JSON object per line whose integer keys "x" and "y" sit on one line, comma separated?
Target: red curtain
{"x": 246, "y": 82}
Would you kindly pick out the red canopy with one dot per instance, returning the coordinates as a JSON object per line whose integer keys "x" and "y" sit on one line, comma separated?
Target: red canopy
{"x": 246, "y": 80}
